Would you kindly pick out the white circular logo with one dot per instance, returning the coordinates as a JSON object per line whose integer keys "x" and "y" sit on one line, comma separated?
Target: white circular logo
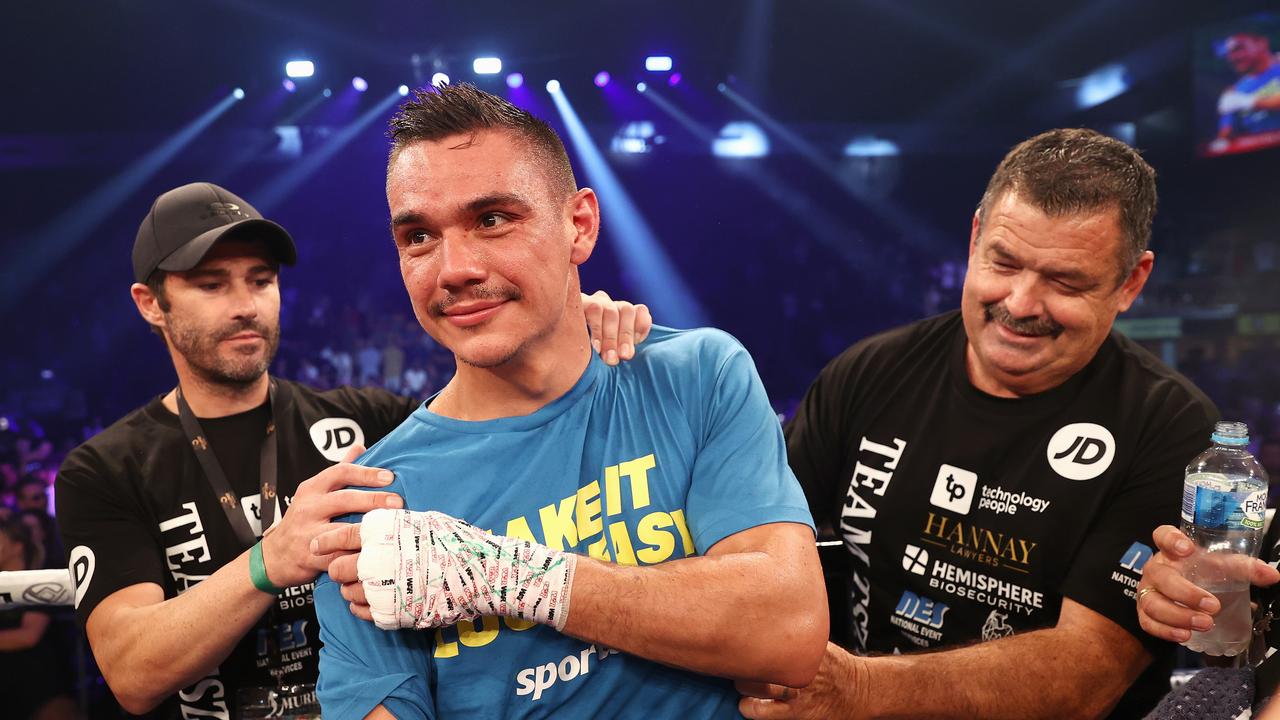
{"x": 82, "y": 562}
{"x": 1081, "y": 451}
{"x": 333, "y": 436}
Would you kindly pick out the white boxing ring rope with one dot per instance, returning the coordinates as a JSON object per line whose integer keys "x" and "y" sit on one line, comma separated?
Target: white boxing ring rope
{"x": 25, "y": 588}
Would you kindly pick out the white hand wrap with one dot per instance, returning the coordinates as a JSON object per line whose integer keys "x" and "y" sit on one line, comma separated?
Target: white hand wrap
{"x": 427, "y": 569}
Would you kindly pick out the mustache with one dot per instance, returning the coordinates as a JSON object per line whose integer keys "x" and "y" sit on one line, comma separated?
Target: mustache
{"x": 243, "y": 326}
{"x": 1035, "y": 326}
{"x": 479, "y": 292}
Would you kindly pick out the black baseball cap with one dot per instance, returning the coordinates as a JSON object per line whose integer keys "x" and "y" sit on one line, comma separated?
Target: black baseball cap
{"x": 186, "y": 221}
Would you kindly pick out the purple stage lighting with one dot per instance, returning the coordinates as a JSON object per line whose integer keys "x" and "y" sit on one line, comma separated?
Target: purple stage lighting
{"x": 602, "y": 78}
{"x": 674, "y": 79}
{"x": 359, "y": 83}
{"x": 289, "y": 85}
{"x": 515, "y": 80}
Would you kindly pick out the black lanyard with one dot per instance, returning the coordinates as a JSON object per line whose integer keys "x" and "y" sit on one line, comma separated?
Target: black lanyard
{"x": 218, "y": 479}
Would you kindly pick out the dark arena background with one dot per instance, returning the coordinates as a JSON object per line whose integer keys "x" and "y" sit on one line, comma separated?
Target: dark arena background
{"x": 800, "y": 173}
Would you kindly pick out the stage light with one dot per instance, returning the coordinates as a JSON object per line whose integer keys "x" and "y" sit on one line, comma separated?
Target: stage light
{"x": 641, "y": 87}
{"x": 1101, "y": 85}
{"x": 359, "y": 83}
{"x": 553, "y": 86}
{"x": 404, "y": 90}
{"x": 741, "y": 139}
{"x": 289, "y": 85}
{"x": 238, "y": 93}
{"x": 674, "y": 80}
{"x": 439, "y": 79}
{"x": 658, "y": 63}
{"x": 515, "y": 80}
{"x": 635, "y": 138}
{"x": 487, "y": 65}
{"x": 602, "y": 78}
{"x": 327, "y": 92}
{"x": 299, "y": 68}
{"x": 721, "y": 87}
{"x": 868, "y": 146}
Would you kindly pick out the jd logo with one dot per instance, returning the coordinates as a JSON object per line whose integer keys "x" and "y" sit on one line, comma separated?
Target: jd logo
{"x": 332, "y": 437}
{"x": 82, "y": 562}
{"x": 953, "y": 490}
{"x": 1081, "y": 451}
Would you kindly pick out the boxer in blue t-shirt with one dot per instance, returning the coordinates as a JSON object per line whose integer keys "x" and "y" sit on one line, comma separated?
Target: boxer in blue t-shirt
{"x": 600, "y": 540}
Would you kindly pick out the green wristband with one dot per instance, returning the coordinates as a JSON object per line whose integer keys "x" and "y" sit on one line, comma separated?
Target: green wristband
{"x": 258, "y": 571}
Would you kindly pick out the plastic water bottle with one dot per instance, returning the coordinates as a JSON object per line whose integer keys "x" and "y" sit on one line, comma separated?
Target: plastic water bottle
{"x": 1224, "y": 501}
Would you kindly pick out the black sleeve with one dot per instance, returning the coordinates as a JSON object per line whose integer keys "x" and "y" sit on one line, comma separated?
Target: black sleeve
{"x": 108, "y": 540}
{"x": 1119, "y": 539}
{"x": 817, "y": 436}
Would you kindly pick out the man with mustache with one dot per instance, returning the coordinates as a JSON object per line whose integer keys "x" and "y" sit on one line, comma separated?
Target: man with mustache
{"x": 995, "y": 473}
{"x": 191, "y": 609}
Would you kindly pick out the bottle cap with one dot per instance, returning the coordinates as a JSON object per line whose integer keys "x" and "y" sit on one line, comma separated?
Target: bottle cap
{"x": 1230, "y": 433}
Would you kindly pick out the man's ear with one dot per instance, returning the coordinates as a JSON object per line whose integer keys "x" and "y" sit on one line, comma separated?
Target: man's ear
{"x": 1136, "y": 280}
{"x": 148, "y": 304}
{"x": 585, "y": 216}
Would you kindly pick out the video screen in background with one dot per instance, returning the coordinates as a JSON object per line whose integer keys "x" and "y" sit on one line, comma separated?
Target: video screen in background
{"x": 1237, "y": 85}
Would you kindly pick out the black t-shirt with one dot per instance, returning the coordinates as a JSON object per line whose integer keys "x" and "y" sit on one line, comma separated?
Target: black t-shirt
{"x": 967, "y": 517}
{"x": 134, "y": 506}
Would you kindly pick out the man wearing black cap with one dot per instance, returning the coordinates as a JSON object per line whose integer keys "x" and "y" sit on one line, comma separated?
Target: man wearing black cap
{"x": 190, "y": 608}
{"x": 163, "y": 511}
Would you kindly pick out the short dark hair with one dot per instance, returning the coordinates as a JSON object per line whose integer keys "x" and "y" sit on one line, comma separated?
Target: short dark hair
{"x": 155, "y": 283}
{"x": 445, "y": 110}
{"x": 1071, "y": 171}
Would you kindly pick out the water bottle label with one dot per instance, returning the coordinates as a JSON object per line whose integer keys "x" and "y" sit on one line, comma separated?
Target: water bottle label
{"x": 1209, "y": 503}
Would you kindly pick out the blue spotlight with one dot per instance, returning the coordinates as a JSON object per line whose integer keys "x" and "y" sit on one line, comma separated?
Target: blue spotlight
{"x": 439, "y": 79}
{"x": 602, "y": 78}
{"x": 635, "y": 138}
{"x": 553, "y": 86}
{"x": 486, "y": 65}
{"x": 282, "y": 186}
{"x": 299, "y": 68}
{"x": 62, "y": 234}
{"x": 403, "y": 90}
{"x": 659, "y": 283}
{"x": 741, "y": 139}
{"x": 238, "y": 93}
{"x": 871, "y": 146}
{"x": 1101, "y": 85}
{"x": 721, "y": 87}
{"x": 327, "y": 92}
{"x": 658, "y": 63}
{"x": 289, "y": 85}
{"x": 515, "y": 80}
{"x": 641, "y": 87}
{"x": 359, "y": 83}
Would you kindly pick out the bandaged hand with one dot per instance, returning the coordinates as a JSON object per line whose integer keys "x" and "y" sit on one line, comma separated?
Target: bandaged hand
{"x": 426, "y": 570}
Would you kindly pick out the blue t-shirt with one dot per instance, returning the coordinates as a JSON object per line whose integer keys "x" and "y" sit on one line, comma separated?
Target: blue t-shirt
{"x": 653, "y": 460}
